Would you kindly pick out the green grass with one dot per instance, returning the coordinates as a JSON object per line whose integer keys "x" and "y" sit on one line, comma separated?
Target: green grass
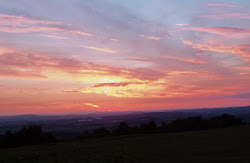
{"x": 221, "y": 145}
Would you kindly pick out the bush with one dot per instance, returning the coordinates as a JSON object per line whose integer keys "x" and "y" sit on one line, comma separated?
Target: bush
{"x": 84, "y": 135}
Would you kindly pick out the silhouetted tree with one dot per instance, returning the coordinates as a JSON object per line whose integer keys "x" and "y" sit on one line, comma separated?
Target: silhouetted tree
{"x": 123, "y": 129}
{"x": 26, "y": 136}
{"x": 224, "y": 120}
{"x": 178, "y": 125}
{"x": 163, "y": 125}
{"x": 102, "y": 131}
{"x": 149, "y": 127}
{"x": 186, "y": 124}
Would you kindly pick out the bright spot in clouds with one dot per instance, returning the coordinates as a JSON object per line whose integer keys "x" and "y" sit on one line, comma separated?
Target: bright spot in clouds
{"x": 92, "y": 105}
{"x": 101, "y": 49}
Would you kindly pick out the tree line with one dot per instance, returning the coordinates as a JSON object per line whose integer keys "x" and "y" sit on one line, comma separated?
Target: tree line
{"x": 180, "y": 125}
{"x": 26, "y": 136}
{"x": 35, "y": 135}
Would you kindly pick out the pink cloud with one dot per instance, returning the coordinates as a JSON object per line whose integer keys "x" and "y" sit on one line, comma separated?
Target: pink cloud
{"x": 227, "y": 15}
{"x": 225, "y": 31}
{"x": 113, "y": 39}
{"x": 151, "y": 37}
{"x": 55, "y": 36}
{"x": 238, "y": 50}
{"x": 225, "y": 5}
{"x": 28, "y": 64}
{"x": 16, "y": 20}
{"x": 106, "y": 50}
{"x": 138, "y": 60}
{"x": 189, "y": 60}
{"x": 28, "y": 74}
{"x": 243, "y": 68}
{"x": 182, "y": 25}
{"x": 21, "y": 24}
{"x": 3, "y": 86}
{"x": 25, "y": 63}
{"x": 80, "y": 33}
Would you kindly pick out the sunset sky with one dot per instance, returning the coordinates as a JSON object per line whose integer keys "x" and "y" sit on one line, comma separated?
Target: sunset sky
{"x": 65, "y": 56}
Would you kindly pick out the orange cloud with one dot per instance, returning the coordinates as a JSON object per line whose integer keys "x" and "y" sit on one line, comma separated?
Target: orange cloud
{"x": 100, "y": 80}
{"x": 119, "y": 84}
{"x": 174, "y": 73}
{"x": 45, "y": 66}
{"x": 106, "y": 50}
{"x": 72, "y": 91}
{"x": 130, "y": 90}
{"x": 153, "y": 38}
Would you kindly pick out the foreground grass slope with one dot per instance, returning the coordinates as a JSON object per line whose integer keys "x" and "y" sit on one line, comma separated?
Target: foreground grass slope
{"x": 221, "y": 145}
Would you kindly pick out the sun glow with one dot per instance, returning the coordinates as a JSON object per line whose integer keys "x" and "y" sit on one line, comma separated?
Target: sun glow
{"x": 92, "y": 105}
{"x": 131, "y": 90}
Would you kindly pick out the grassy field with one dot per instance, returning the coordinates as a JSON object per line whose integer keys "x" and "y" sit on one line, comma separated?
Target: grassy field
{"x": 221, "y": 145}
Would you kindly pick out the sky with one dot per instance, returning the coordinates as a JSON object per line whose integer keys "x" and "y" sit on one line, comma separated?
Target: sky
{"x": 66, "y": 56}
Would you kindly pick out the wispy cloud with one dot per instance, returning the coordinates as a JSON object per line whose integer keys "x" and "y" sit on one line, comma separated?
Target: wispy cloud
{"x": 22, "y": 24}
{"x": 189, "y": 60}
{"x": 113, "y": 39}
{"x": 225, "y": 5}
{"x": 28, "y": 63}
{"x": 119, "y": 84}
{"x": 246, "y": 68}
{"x": 55, "y": 36}
{"x": 92, "y": 105}
{"x": 19, "y": 20}
{"x": 239, "y": 50}
{"x": 226, "y": 15}
{"x": 225, "y": 31}
{"x": 181, "y": 25}
{"x": 27, "y": 74}
{"x": 80, "y": 32}
{"x": 151, "y": 37}
{"x": 106, "y": 50}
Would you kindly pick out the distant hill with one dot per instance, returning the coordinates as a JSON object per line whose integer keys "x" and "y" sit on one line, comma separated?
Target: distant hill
{"x": 66, "y": 126}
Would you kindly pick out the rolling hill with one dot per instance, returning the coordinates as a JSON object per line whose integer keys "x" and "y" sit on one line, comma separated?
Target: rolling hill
{"x": 220, "y": 145}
